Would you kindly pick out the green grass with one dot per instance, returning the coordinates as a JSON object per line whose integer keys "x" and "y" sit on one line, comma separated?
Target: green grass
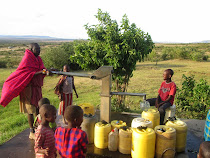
{"x": 146, "y": 79}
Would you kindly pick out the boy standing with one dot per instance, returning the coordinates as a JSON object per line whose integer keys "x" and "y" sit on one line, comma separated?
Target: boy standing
{"x": 71, "y": 141}
{"x": 166, "y": 94}
{"x": 44, "y": 136}
{"x": 38, "y": 118}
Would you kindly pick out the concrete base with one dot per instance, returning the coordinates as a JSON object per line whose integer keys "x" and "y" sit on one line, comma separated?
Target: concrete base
{"x": 22, "y": 147}
{"x": 19, "y": 146}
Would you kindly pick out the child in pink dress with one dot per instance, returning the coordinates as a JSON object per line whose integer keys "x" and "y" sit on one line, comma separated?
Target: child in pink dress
{"x": 44, "y": 136}
{"x": 64, "y": 90}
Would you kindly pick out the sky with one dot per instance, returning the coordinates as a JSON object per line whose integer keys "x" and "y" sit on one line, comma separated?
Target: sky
{"x": 181, "y": 21}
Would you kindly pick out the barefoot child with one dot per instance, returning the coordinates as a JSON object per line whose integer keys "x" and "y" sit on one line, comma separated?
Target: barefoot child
{"x": 44, "y": 136}
{"x": 64, "y": 89}
{"x": 38, "y": 118}
{"x": 166, "y": 94}
{"x": 71, "y": 141}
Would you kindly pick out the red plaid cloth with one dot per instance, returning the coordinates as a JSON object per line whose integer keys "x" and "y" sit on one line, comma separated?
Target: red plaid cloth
{"x": 70, "y": 142}
{"x": 67, "y": 101}
{"x": 44, "y": 138}
{"x": 19, "y": 79}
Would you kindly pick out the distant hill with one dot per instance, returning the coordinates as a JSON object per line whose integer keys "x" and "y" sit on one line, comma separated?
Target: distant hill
{"x": 48, "y": 38}
{"x": 206, "y": 41}
{"x": 31, "y": 37}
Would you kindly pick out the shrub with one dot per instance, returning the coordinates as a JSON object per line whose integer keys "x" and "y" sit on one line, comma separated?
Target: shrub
{"x": 153, "y": 56}
{"x": 58, "y": 56}
{"x": 9, "y": 62}
{"x": 197, "y": 55}
{"x": 192, "y": 100}
{"x": 3, "y": 64}
{"x": 55, "y": 57}
{"x": 182, "y": 53}
{"x": 164, "y": 56}
{"x": 167, "y": 53}
{"x": 205, "y": 57}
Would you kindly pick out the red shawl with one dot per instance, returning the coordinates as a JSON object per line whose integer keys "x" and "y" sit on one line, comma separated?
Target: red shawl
{"x": 19, "y": 79}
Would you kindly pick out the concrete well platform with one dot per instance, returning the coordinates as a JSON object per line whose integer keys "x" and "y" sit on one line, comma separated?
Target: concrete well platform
{"x": 22, "y": 147}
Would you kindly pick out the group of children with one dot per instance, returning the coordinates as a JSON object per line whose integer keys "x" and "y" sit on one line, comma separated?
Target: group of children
{"x": 69, "y": 141}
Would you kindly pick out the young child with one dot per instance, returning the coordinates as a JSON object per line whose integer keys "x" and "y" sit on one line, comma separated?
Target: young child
{"x": 166, "y": 94}
{"x": 38, "y": 118}
{"x": 44, "y": 136}
{"x": 71, "y": 141}
{"x": 64, "y": 90}
{"x": 204, "y": 150}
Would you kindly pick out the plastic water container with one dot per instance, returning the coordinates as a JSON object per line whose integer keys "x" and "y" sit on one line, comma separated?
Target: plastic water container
{"x": 170, "y": 112}
{"x": 165, "y": 142}
{"x": 117, "y": 124}
{"x": 153, "y": 115}
{"x": 101, "y": 133}
{"x": 125, "y": 140}
{"x": 113, "y": 140}
{"x": 207, "y": 127}
{"x": 143, "y": 143}
{"x": 139, "y": 121}
{"x": 87, "y": 108}
{"x": 88, "y": 126}
{"x": 144, "y": 105}
{"x": 181, "y": 133}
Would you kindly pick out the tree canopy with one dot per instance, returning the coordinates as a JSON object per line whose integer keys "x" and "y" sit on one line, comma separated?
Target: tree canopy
{"x": 110, "y": 44}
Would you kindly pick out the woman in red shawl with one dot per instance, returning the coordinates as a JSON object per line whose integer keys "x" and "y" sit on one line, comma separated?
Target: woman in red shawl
{"x": 26, "y": 81}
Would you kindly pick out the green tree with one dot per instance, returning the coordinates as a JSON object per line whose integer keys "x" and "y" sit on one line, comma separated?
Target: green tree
{"x": 153, "y": 56}
{"x": 110, "y": 44}
{"x": 58, "y": 56}
{"x": 55, "y": 57}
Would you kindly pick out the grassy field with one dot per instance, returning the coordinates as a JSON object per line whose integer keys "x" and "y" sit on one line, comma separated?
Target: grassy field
{"x": 146, "y": 79}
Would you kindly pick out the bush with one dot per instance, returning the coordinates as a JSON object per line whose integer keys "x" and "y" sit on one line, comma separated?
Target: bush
{"x": 186, "y": 52}
{"x": 58, "y": 56}
{"x": 70, "y": 48}
{"x": 153, "y": 56}
{"x": 205, "y": 57}
{"x": 3, "y": 64}
{"x": 197, "y": 55}
{"x": 55, "y": 57}
{"x": 164, "y": 56}
{"x": 182, "y": 53}
{"x": 9, "y": 62}
{"x": 192, "y": 100}
{"x": 13, "y": 62}
{"x": 167, "y": 53}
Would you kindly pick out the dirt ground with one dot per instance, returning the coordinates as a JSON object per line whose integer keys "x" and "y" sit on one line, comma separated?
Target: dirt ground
{"x": 196, "y": 127}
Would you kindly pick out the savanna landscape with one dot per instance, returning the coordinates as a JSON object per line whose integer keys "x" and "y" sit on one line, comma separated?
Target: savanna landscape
{"x": 146, "y": 78}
